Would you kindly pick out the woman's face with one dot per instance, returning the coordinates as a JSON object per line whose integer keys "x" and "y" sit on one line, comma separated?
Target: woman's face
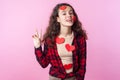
{"x": 65, "y": 16}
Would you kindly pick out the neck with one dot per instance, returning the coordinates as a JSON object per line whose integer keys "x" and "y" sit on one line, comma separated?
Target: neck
{"x": 65, "y": 31}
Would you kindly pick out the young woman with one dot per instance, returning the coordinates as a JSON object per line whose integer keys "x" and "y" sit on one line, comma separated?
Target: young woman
{"x": 64, "y": 45}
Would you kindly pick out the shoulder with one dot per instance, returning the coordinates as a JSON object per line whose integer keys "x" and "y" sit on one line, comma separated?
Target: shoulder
{"x": 80, "y": 35}
{"x": 81, "y": 39}
{"x": 49, "y": 42}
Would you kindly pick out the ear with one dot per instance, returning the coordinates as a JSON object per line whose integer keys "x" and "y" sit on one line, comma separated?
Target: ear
{"x": 58, "y": 20}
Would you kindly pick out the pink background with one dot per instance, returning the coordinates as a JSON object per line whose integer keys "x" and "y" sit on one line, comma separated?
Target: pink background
{"x": 20, "y": 18}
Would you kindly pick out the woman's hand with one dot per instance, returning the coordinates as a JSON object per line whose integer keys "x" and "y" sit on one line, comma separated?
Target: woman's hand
{"x": 37, "y": 39}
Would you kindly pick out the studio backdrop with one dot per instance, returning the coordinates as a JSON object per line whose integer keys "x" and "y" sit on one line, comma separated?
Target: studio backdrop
{"x": 20, "y": 18}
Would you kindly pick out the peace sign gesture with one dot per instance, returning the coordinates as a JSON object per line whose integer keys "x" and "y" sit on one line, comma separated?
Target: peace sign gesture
{"x": 37, "y": 38}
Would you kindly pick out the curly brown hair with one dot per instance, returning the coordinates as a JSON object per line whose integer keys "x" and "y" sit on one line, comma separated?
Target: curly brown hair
{"x": 53, "y": 28}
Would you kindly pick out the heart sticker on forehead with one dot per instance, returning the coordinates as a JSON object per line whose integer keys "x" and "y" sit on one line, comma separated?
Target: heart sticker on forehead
{"x": 63, "y": 7}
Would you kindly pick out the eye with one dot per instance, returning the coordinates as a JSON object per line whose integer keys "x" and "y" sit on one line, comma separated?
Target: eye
{"x": 71, "y": 12}
{"x": 63, "y": 13}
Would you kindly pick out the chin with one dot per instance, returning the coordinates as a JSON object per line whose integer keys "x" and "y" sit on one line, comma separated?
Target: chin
{"x": 69, "y": 25}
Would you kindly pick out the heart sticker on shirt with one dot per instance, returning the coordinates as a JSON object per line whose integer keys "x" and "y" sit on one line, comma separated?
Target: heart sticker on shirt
{"x": 70, "y": 47}
{"x": 68, "y": 66}
{"x": 60, "y": 40}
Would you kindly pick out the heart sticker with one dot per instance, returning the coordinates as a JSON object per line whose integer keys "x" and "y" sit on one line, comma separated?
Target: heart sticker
{"x": 63, "y": 7}
{"x": 74, "y": 18}
{"x": 68, "y": 66}
{"x": 70, "y": 47}
{"x": 60, "y": 40}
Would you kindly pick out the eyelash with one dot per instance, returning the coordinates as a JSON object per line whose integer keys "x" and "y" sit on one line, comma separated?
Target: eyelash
{"x": 69, "y": 13}
{"x": 64, "y": 13}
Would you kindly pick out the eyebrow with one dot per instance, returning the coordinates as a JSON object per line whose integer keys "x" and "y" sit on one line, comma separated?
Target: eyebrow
{"x": 65, "y": 11}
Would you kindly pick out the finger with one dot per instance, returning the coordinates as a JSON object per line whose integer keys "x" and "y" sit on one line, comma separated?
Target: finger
{"x": 40, "y": 34}
{"x": 34, "y": 36}
{"x": 36, "y": 33}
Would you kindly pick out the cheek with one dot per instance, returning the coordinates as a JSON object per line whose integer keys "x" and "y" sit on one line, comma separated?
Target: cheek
{"x": 62, "y": 17}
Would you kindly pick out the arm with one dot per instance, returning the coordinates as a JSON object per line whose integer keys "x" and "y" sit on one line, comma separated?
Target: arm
{"x": 82, "y": 60}
{"x": 42, "y": 56}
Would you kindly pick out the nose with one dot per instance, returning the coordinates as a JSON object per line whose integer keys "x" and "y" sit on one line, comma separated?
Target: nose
{"x": 68, "y": 15}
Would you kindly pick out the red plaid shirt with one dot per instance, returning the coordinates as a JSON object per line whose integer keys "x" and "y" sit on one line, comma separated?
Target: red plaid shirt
{"x": 51, "y": 56}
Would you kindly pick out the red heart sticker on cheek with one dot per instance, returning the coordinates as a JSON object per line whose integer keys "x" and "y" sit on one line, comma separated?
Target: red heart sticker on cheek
{"x": 63, "y": 7}
{"x": 60, "y": 40}
{"x": 74, "y": 18}
{"x": 70, "y": 47}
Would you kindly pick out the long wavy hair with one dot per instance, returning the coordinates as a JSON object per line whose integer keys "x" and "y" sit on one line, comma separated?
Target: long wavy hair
{"x": 53, "y": 28}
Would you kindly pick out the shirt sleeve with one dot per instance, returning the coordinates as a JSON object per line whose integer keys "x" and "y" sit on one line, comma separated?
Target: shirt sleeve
{"x": 42, "y": 56}
{"x": 82, "y": 60}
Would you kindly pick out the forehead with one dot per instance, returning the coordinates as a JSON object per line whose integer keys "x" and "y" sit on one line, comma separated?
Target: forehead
{"x": 65, "y": 8}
